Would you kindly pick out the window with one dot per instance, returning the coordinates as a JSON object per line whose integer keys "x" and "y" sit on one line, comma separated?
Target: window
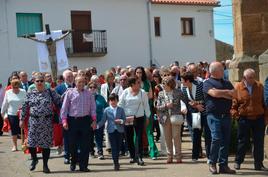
{"x": 28, "y": 23}
{"x": 187, "y": 26}
{"x": 157, "y": 30}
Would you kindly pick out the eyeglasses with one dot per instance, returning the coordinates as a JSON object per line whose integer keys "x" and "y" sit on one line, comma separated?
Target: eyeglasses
{"x": 39, "y": 81}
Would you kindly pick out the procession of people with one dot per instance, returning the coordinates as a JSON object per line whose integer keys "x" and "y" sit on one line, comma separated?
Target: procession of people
{"x": 133, "y": 108}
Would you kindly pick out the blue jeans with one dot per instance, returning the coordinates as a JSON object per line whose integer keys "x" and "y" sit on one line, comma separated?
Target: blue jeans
{"x": 66, "y": 144}
{"x": 220, "y": 127}
{"x": 99, "y": 139}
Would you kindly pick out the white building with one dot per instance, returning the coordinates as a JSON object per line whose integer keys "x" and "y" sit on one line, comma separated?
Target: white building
{"x": 131, "y": 32}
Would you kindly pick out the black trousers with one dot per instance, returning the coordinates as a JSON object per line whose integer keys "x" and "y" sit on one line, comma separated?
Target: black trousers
{"x": 80, "y": 135}
{"x": 257, "y": 127}
{"x": 135, "y": 150}
{"x": 116, "y": 141}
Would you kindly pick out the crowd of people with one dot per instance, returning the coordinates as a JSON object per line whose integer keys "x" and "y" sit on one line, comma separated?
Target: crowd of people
{"x": 133, "y": 108}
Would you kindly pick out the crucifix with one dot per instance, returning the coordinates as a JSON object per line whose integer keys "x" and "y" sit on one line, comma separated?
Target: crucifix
{"x": 51, "y": 47}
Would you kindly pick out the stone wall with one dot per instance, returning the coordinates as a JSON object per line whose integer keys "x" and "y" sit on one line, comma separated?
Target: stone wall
{"x": 251, "y": 27}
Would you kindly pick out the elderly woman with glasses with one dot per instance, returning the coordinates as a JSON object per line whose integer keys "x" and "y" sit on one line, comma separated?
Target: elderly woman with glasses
{"x": 12, "y": 102}
{"x": 171, "y": 101}
{"x": 38, "y": 104}
{"x": 101, "y": 104}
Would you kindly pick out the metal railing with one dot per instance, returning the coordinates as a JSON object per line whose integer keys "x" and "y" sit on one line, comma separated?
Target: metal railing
{"x": 86, "y": 43}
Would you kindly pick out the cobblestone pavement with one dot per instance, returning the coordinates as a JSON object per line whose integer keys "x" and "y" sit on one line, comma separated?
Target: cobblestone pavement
{"x": 15, "y": 164}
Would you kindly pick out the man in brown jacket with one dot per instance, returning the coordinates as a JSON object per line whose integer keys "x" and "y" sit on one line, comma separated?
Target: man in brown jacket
{"x": 249, "y": 109}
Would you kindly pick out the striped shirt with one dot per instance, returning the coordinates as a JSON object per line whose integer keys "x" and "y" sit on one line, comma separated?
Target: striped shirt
{"x": 78, "y": 104}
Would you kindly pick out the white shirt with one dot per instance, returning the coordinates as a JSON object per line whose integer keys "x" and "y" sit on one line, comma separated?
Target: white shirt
{"x": 12, "y": 102}
{"x": 114, "y": 110}
{"x": 135, "y": 105}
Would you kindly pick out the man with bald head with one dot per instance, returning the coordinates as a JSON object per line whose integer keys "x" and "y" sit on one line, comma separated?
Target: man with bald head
{"x": 194, "y": 70}
{"x": 175, "y": 72}
{"x": 218, "y": 94}
{"x": 249, "y": 110}
{"x": 24, "y": 81}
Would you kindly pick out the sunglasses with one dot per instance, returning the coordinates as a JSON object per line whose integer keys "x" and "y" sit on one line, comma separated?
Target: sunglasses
{"x": 92, "y": 87}
{"x": 39, "y": 81}
{"x": 122, "y": 79}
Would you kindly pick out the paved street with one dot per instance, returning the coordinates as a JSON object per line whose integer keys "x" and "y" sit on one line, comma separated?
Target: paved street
{"x": 15, "y": 164}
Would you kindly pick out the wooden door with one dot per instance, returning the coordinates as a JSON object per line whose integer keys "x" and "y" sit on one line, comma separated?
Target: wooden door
{"x": 81, "y": 23}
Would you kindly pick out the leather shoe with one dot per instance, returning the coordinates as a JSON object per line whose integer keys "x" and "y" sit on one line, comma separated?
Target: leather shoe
{"x": 226, "y": 170}
{"x": 46, "y": 169}
{"x": 66, "y": 161}
{"x": 140, "y": 162}
{"x": 213, "y": 169}
{"x": 33, "y": 165}
{"x": 84, "y": 170}
{"x": 237, "y": 166}
{"x": 260, "y": 168}
{"x": 132, "y": 160}
{"x": 72, "y": 167}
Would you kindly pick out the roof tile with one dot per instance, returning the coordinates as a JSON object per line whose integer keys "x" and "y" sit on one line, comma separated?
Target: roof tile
{"x": 188, "y": 2}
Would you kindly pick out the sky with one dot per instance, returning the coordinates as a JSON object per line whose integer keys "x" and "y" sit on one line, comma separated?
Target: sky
{"x": 223, "y": 22}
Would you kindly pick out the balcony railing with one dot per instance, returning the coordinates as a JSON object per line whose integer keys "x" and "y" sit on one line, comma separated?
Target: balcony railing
{"x": 86, "y": 43}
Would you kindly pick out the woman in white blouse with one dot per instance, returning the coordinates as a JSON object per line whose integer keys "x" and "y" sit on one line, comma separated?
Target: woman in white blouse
{"x": 12, "y": 102}
{"x": 134, "y": 101}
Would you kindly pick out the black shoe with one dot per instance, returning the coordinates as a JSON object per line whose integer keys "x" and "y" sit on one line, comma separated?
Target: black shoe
{"x": 260, "y": 167}
{"x": 116, "y": 167}
{"x": 213, "y": 169}
{"x": 84, "y": 170}
{"x": 226, "y": 170}
{"x": 132, "y": 160}
{"x": 140, "y": 162}
{"x": 33, "y": 165}
{"x": 1, "y": 133}
{"x": 237, "y": 166}
{"x": 66, "y": 161}
{"x": 46, "y": 169}
{"x": 72, "y": 167}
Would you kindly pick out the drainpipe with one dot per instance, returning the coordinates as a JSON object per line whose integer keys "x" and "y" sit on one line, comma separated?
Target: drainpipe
{"x": 150, "y": 32}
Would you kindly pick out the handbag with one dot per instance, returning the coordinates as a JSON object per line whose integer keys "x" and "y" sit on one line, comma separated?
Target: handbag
{"x": 196, "y": 120}
{"x": 176, "y": 119}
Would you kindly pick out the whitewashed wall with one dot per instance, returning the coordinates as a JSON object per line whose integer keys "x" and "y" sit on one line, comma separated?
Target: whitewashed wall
{"x": 172, "y": 46}
{"x": 124, "y": 20}
{"x": 126, "y": 23}
{"x": 5, "y": 62}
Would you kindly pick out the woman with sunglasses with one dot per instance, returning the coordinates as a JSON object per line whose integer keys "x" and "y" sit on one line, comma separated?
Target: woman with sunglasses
{"x": 38, "y": 104}
{"x": 12, "y": 102}
{"x": 101, "y": 104}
